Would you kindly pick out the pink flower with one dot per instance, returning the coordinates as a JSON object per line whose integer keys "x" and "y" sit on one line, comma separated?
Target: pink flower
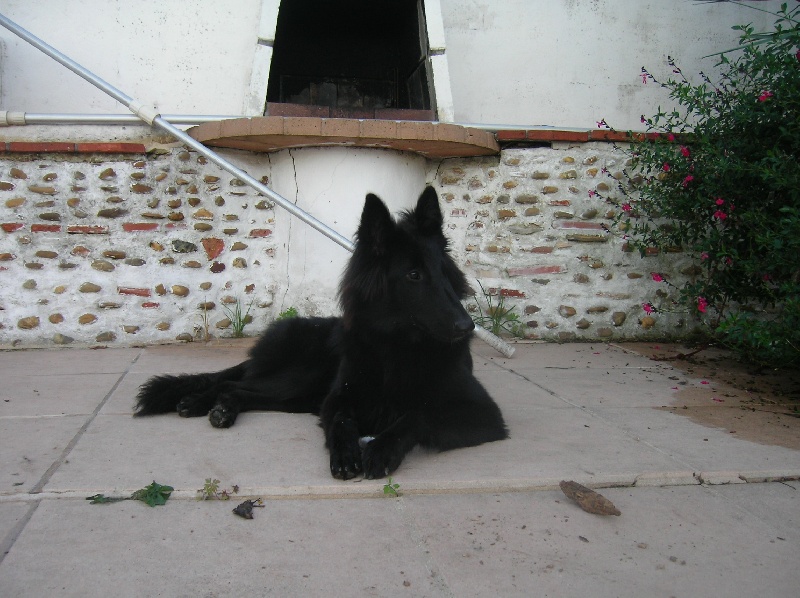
{"x": 766, "y": 278}
{"x": 592, "y": 192}
{"x": 687, "y": 180}
{"x": 720, "y": 215}
{"x": 601, "y": 124}
{"x": 702, "y": 304}
{"x": 704, "y": 255}
{"x": 648, "y": 308}
{"x": 626, "y": 207}
{"x": 666, "y": 167}
{"x": 797, "y": 55}
{"x": 643, "y": 119}
{"x": 685, "y": 151}
{"x": 657, "y": 277}
{"x": 719, "y": 201}
{"x": 765, "y": 95}
{"x": 728, "y": 261}
{"x": 670, "y": 137}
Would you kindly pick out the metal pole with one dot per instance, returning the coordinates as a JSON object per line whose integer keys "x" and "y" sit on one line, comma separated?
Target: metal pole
{"x": 152, "y": 117}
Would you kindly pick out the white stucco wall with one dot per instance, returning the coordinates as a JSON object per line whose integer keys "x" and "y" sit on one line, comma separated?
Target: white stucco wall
{"x": 565, "y": 63}
{"x": 569, "y": 63}
{"x": 182, "y": 57}
{"x": 331, "y": 183}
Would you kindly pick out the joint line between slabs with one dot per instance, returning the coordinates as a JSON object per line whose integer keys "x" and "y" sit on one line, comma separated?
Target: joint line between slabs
{"x": 79, "y": 434}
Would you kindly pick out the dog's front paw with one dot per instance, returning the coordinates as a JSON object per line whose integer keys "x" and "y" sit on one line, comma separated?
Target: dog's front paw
{"x": 346, "y": 461}
{"x": 222, "y": 416}
{"x": 379, "y": 458}
{"x": 192, "y": 406}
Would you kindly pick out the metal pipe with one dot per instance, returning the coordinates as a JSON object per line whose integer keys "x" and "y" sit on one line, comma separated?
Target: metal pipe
{"x": 152, "y": 117}
{"x": 34, "y": 118}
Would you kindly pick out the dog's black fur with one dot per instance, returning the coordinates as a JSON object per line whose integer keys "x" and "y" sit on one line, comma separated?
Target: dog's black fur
{"x": 396, "y": 366}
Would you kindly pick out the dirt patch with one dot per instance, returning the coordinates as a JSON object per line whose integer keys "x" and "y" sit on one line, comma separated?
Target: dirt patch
{"x": 756, "y": 404}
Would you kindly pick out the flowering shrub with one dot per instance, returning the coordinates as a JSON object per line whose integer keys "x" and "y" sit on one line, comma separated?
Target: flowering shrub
{"x": 718, "y": 177}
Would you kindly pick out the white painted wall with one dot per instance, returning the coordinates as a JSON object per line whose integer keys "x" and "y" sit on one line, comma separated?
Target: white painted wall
{"x": 569, "y": 63}
{"x": 565, "y": 63}
{"x": 182, "y": 57}
{"x": 331, "y": 183}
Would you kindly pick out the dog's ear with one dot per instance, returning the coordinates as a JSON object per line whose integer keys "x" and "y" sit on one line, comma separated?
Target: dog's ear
{"x": 376, "y": 226}
{"x": 427, "y": 214}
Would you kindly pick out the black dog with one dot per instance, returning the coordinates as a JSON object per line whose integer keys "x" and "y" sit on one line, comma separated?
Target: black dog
{"x": 396, "y": 366}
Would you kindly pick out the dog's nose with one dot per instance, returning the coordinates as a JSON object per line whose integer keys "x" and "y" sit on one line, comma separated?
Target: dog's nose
{"x": 464, "y": 325}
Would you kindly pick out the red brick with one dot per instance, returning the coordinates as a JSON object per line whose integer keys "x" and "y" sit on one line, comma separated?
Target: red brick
{"x": 556, "y": 135}
{"x": 133, "y": 227}
{"x": 260, "y": 232}
{"x": 507, "y": 292}
{"x": 512, "y": 135}
{"x": 213, "y": 247}
{"x": 602, "y": 135}
{"x": 10, "y": 227}
{"x": 535, "y": 270}
{"x": 87, "y": 230}
{"x": 150, "y": 304}
{"x": 112, "y": 148}
{"x": 39, "y": 146}
{"x": 279, "y": 109}
{"x": 139, "y": 292}
{"x": 351, "y": 113}
{"x": 45, "y": 228}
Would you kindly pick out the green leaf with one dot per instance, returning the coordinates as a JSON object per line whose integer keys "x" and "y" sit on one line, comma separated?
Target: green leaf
{"x": 101, "y": 499}
{"x": 153, "y": 495}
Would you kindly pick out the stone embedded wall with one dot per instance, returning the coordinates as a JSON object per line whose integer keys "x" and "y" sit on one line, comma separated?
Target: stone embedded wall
{"x": 131, "y": 248}
{"x": 528, "y": 228}
{"x": 124, "y": 248}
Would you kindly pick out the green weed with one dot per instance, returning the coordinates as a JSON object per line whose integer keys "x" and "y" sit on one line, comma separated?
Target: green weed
{"x": 497, "y": 318}
{"x": 239, "y": 319}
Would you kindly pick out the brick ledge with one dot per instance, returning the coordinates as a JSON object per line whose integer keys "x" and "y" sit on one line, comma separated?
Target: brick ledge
{"x": 274, "y": 133}
{"x": 415, "y": 136}
{"x": 50, "y": 147}
{"x": 549, "y": 135}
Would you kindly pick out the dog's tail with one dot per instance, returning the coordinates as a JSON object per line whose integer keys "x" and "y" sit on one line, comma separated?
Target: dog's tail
{"x": 161, "y": 394}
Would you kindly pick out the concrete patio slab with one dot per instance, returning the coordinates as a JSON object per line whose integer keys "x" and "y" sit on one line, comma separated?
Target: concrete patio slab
{"x": 29, "y": 447}
{"x": 190, "y": 548}
{"x": 68, "y": 361}
{"x": 262, "y": 450}
{"x": 684, "y": 541}
{"x": 699, "y": 516}
{"x": 58, "y": 394}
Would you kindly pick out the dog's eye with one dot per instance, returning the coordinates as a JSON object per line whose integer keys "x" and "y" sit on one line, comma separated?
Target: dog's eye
{"x": 414, "y": 275}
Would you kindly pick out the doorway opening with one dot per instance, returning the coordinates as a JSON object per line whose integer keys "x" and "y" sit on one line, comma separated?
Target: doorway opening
{"x": 355, "y": 58}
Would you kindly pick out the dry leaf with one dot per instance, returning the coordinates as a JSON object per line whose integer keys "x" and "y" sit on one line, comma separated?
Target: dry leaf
{"x": 588, "y": 500}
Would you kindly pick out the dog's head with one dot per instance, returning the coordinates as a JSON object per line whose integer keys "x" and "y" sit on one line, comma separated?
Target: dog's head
{"x": 401, "y": 279}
